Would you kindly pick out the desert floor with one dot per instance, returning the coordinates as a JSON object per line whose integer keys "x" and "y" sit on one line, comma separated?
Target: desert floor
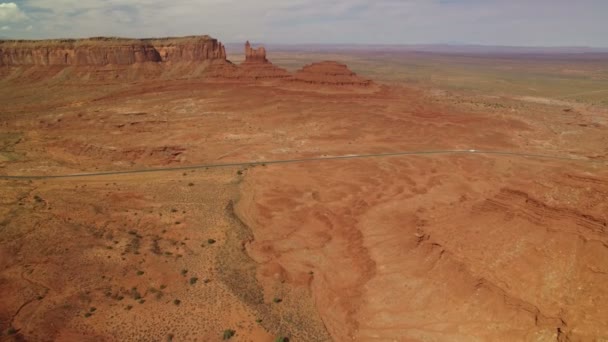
{"x": 509, "y": 242}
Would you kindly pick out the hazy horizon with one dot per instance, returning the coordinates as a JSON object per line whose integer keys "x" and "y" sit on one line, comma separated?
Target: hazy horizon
{"x": 543, "y": 23}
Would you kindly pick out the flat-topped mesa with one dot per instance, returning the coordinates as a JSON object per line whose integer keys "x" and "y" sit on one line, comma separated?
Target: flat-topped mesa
{"x": 106, "y": 50}
{"x": 329, "y": 73}
{"x": 255, "y": 55}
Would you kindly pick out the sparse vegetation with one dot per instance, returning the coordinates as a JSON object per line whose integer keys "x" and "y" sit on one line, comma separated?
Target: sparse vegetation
{"x": 281, "y": 339}
{"x": 136, "y": 295}
{"x": 228, "y": 334}
{"x": 211, "y": 241}
{"x": 184, "y": 272}
{"x": 177, "y": 302}
{"x": 193, "y": 280}
{"x": 11, "y": 331}
{"x": 88, "y": 314}
{"x": 140, "y": 273}
{"x": 277, "y": 300}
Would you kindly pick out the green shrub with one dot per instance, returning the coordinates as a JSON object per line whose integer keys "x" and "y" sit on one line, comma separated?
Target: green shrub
{"x": 228, "y": 333}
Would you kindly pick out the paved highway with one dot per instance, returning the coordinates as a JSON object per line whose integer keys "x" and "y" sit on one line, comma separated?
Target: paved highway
{"x": 303, "y": 160}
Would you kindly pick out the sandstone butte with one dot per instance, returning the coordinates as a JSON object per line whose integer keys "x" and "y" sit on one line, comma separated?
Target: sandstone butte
{"x": 255, "y": 55}
{"x": 111, "y": 59}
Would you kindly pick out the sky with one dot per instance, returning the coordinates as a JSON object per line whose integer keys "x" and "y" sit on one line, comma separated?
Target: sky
{"x": 483, "y": 22}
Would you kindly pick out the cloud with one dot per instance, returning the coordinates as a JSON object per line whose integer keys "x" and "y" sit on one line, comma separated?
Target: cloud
{"x": 10, "y": 12}
{"x": 5, "y": 28}
{"x": 491, "y": 22}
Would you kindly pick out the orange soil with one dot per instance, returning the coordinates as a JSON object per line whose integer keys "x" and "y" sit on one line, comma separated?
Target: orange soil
{"x": 444, "y": 247}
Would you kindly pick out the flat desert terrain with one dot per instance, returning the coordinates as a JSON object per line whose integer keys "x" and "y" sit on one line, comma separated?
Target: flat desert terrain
{"x": 454, "y": 197}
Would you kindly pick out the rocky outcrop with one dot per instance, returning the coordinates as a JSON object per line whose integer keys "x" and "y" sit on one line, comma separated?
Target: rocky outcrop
{"x": 255, "y": 55}
{"x": 104, "y": 59}
{"x": 258, "y": 67}
{"x": 255, "y": 67}
{"x": 261, "y": 71}
{"x": 329, "y": 73}
{"x": 105, "y": 51}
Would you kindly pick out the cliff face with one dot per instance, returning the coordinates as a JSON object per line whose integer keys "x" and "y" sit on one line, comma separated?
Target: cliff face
{"x": 255, "y": 55}
{"x": 258, "y": 67}
{"x": 104, "y": 51}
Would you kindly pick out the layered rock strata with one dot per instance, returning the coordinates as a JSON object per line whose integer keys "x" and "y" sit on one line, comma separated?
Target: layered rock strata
{"x": 255, "y": 55}
{"x": 329, "y": 73}
{"x": 105, "y": 51}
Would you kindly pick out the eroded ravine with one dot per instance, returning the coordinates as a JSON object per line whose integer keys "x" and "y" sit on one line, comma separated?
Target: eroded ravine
{"x": 435, "y": 248}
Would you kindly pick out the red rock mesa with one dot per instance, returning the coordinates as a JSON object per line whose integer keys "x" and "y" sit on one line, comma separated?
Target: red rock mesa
{"x": 329, "y": 73}
{"x": 104, "y": 51}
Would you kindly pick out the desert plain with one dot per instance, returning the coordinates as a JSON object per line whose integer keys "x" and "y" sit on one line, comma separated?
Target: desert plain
{"x": 387, "y": 196}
